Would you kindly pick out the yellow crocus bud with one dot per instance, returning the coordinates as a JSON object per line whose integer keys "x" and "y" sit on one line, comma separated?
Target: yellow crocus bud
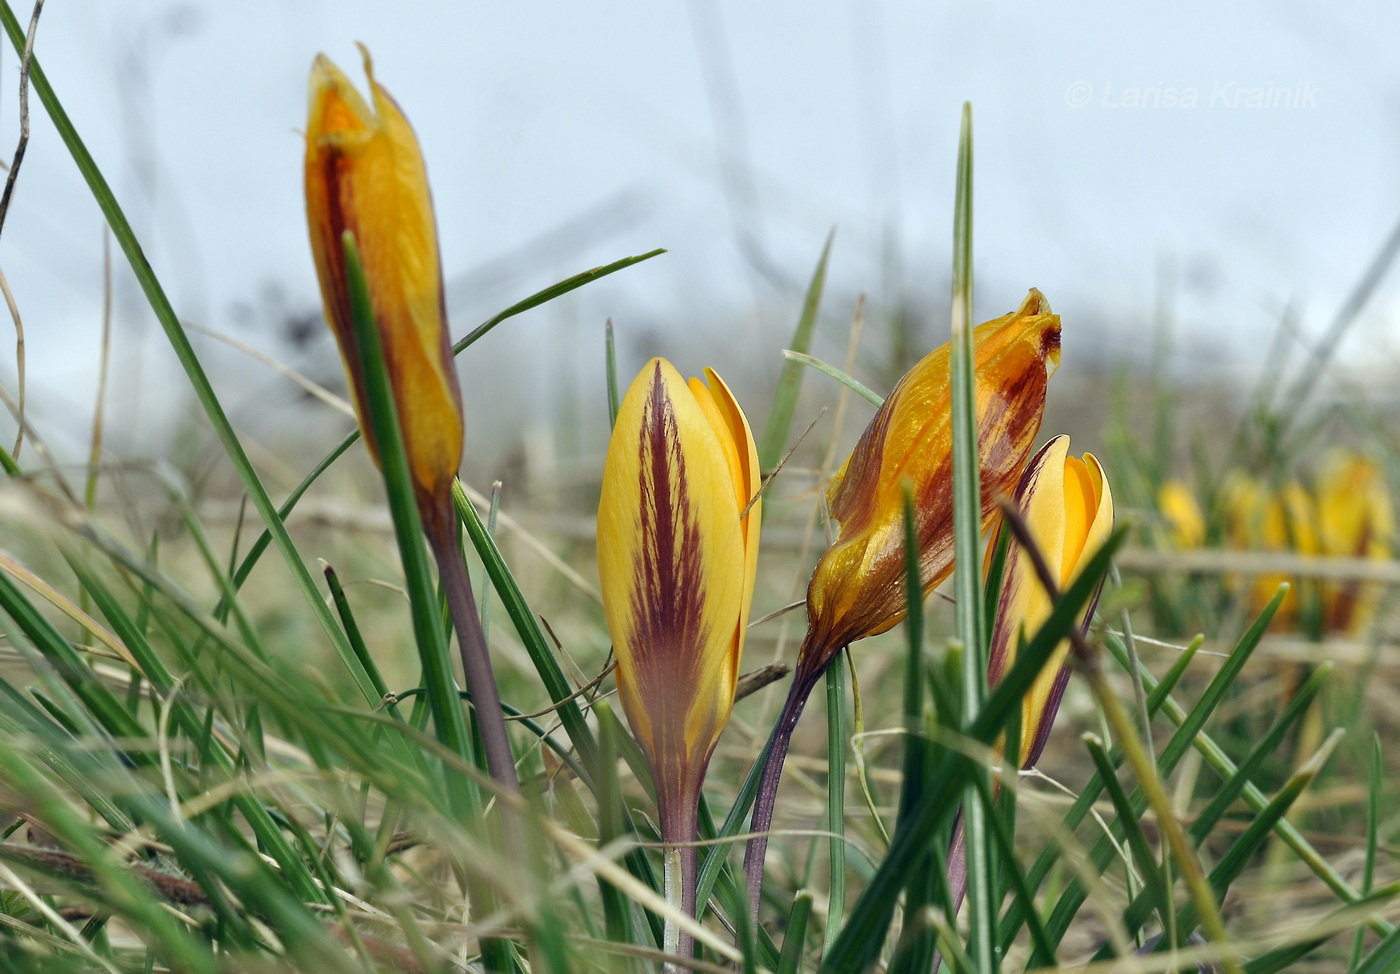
{"x": 677, "y": 556}
{"x": 1068, "y": 507}
{"x": 365, "y": 175}
{"x": 1355, "y": 520}
{"x": 1181, "y": 513}
{"x": 857, "y": 589}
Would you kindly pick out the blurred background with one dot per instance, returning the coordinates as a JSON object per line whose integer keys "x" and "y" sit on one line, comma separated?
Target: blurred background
{"x": 1193, "y": 178}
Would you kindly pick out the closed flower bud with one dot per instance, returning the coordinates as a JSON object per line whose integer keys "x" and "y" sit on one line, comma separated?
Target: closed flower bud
{"x": 677, "y": 555}
{"x": 1067, "y": 504}
{"x": 365, "y": 176}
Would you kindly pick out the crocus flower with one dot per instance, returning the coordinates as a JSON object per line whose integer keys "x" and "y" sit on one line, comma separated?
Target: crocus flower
{"x": 365, "y": 175}
{"x": 1355, "y": 520}
{"x": 858, "y": 587}
{"x": 677, "y": 555}
{"x": 1185, "y": 523}
{"x": 1068, "y": 507}
{"x": 365, "y": 178}
{"x": 1264, "y": 518}
{"x": 1067, "y": 504}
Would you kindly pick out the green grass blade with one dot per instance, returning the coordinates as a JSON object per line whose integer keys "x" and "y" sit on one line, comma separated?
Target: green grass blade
{"x": 610, "y": 363}
{"x": 1156, "y": 890}
{"x": 773, "y": 442}
{"x": 967, "y": 535}
{"x": 1252, "y": 839}
{"x": 1373, "y": 817}
{"x": 1266, "y": 748}
{"x": 1229, "y": 791}
{"x": 449, "y": 721}
{"x": 352, "y": 633}
{"x": 915, "y": 740}
{"x": 550, "y": 293}
{"x": 837, "y": 739}
{"x": 855, "y": 385}
{"x": 104, "y": 706}
{"x": 527, "y": 625}
{"x": 1103, "y": 850}
{"x": 617, "y": 909}
{"x": 1385, "y": 959}
{"x": 917, "y": 944}
{"x": 795, "y": 939}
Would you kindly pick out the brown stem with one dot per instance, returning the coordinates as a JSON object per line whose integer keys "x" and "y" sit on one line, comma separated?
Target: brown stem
{"x": 767, "y": 794}
{"x": 439, "y": 524}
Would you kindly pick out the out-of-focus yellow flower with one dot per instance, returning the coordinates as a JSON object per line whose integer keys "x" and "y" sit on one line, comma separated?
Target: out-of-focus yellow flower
{"x": 1260, "y": 518}
{"x": 677, "y": 558}
{"x": 1068, "y": 506}
{"x": 1185, "y": 524}
{"x": 857, "y": 589}
{"x": 1355, "y": 520}
{"x": 365, "y": 175}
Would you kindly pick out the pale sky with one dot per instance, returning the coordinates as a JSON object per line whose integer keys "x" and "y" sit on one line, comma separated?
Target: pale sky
{"x": 1253, "y": 147}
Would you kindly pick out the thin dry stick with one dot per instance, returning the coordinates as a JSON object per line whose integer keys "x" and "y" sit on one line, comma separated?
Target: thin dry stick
{"x": 99, "y": 412}
{"x": 51, "y": 466}
{"x": 1087, "y": 662}
{"x": 19, "y": 358}
{"x": 23, "y": 113}
{"x": 842, "y": 399}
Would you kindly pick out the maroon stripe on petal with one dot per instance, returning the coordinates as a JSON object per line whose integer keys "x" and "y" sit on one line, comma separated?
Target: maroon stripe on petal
{"x": 668, "y": 590}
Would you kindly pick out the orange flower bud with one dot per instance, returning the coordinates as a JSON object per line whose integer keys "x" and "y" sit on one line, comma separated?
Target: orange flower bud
{"x": 365, "y": 175}
{"x": 1068, "y": 507}
{"x": 857, "y": 589}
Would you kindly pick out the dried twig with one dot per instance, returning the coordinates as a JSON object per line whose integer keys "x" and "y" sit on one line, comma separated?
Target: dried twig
{"x": 23, "y": 112}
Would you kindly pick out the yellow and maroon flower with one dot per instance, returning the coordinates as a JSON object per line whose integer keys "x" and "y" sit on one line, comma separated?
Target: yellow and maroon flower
{"x": 365, "y": 175}
{"x": 677, "y": 555}
{"x": 857, "y": 589}
{"x": 1068, "y": 507}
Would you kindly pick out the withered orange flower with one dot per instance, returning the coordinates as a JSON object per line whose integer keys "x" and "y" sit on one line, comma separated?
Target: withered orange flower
{"x": 857, "y": 589}
{"x": 365, "y": 175}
